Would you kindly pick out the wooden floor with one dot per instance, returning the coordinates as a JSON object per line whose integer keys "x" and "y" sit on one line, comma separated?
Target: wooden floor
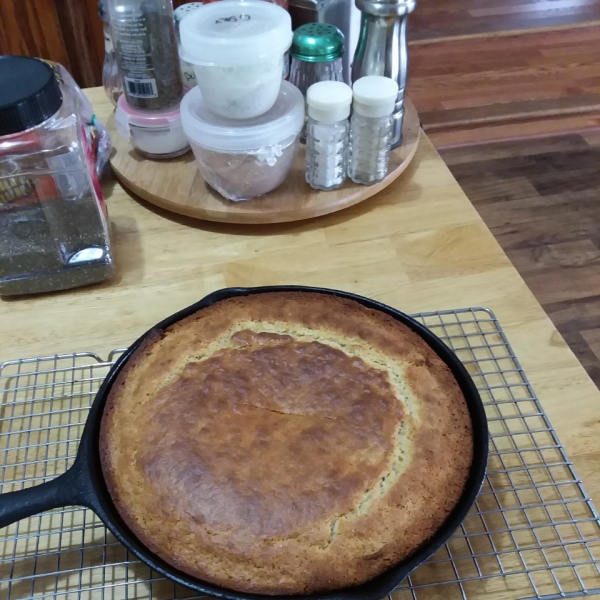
{"x": 473, "y": 90}
{"x": 434, "y": 19}
{"x": 541, "y": 200}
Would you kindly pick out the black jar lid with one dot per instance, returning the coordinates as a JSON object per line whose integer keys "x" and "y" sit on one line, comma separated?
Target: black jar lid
{"x": 29, "y": 93}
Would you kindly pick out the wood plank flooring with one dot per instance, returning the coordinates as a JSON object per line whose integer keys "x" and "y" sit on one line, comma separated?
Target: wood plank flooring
{"x": 541, "y": 200}
{"x": 487, "y": 89}
{"x": 435, "y": 19}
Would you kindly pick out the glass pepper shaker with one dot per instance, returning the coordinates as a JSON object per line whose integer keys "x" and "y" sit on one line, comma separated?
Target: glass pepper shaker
{"x": 110, "y": 71}
{"x": 327, "y": 134}
{"x": 316, "y": 52}
{"x": 374, "y": 99}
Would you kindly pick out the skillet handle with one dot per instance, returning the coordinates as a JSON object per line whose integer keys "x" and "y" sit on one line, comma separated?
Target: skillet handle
{"x": 70, "y": 488}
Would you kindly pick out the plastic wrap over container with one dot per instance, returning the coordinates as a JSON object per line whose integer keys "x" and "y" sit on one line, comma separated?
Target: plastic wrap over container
{"x": 242, "y": 159}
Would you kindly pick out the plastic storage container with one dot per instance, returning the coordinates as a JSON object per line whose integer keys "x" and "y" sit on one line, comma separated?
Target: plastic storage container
{"x": 244, "y": 159}
{"x": 237, "y": 49}
{"x": 153, "y": 134}
{"x": 53, "y": 227}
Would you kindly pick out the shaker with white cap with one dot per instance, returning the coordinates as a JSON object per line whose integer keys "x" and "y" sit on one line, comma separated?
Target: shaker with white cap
{"x": 371, "y": 128}
{"x": 327, "y": 134}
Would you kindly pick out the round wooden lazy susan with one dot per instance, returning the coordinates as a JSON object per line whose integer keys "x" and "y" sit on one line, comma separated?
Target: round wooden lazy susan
{"x": 176, "y": 184}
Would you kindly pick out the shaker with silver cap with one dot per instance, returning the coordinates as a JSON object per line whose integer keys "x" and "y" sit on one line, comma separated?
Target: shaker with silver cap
{"x": 382, "y": 49}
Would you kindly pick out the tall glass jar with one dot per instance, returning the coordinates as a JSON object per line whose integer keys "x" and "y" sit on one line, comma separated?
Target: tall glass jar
{"x": 146, "y": 49}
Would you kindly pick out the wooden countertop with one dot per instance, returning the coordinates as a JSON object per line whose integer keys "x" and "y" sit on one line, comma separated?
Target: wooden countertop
{"x": 419, "y": 245}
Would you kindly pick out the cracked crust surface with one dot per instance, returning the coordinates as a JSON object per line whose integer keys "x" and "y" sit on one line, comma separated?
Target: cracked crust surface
{"x": 285, "y": 443}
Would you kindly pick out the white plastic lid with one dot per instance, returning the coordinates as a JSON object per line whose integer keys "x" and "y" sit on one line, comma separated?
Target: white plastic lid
{"x": 234, "y": 32}
{"x": 125, "y": 116}
{"x": 374, "y": 96}
{"x": 329, "y": 101}
{"x": 205, "y": 128}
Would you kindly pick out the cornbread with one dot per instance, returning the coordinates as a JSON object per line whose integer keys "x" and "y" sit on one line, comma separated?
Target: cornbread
{"x": 285, "y": 443}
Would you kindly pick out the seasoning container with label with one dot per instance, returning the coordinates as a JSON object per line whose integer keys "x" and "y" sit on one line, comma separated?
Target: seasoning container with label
{"x": 242, "y": 159}
{"x": 187, "y": 69}
{"x": 153, "y": 134}
{"x": 143, "y": 33}
{"x": 53, "y": 227}
{"x": 327, "y": 132}
{"x": 237, "y": 48}
{"x": 371, "y": 128}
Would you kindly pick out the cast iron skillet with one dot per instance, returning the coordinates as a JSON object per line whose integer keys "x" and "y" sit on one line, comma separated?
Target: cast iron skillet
{"x": 83, "y": 484}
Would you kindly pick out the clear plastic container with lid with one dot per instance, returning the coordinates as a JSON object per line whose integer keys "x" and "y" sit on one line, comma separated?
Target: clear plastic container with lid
{"x": 53, "y": 227}
{"x": 153, "y": 134}
{"x": 244, "y": 159}
{"x": 237, "y": 49}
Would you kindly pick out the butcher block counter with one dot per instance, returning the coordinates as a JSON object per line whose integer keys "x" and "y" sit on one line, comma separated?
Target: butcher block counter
{"x": 418, "y": 245}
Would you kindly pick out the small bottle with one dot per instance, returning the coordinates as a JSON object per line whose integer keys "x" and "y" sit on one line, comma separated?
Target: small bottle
{"x": 327, "y": 134}
{"x": 110, "y": 71}
{"x": 317, "y": 50}
{"x": 371, "y": 128}
{"x": 143, "y": 33}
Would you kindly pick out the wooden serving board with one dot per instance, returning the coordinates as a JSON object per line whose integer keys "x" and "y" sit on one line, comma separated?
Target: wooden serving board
{"x": 177, "y": 186}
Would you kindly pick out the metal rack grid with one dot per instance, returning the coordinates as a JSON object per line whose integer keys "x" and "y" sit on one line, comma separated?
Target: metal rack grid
{"x": 533, "y": 532}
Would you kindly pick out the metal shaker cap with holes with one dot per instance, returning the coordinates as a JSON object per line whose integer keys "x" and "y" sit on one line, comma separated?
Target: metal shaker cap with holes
{"x": 317, "y": 42}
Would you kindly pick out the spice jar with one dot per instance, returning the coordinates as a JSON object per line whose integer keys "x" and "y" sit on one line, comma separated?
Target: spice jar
{"x": 237, "y": 49}
{"x": 53, "y": 228}
{"x": 146, "y": 50}
{"x": 317, "y": 50}
{"x": 374, "y": 100}
{"x": 153, "y": 134}
{"x": 327, "y": 134}
{"x": 242, "y": 159}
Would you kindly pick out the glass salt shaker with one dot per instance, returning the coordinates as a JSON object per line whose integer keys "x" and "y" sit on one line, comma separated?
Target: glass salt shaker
{"x": 371, "y": 128}
{"x": 110, "y": 72}
{"x": 316, "y": 52}
{"x": 327, "y": 134}
{"x": 143, "y": 33}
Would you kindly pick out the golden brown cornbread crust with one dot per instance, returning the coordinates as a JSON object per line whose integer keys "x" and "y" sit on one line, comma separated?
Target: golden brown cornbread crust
{"x": 316, "y": 477}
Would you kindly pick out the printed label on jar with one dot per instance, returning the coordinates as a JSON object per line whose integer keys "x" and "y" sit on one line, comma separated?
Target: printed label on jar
{"x": 141, "y": 88}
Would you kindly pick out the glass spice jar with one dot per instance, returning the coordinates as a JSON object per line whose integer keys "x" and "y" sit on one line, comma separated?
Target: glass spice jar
{"x": 143, "y": 33}
{"x": 53, "y": 227}
{"x": 317, "y": 50}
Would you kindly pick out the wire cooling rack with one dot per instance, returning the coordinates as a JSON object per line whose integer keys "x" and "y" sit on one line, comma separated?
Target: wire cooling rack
{"x": 533, "y": 532}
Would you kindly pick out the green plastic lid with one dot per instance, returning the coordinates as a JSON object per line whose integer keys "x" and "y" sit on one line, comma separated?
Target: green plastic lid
{"x": 317, "y": 42}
